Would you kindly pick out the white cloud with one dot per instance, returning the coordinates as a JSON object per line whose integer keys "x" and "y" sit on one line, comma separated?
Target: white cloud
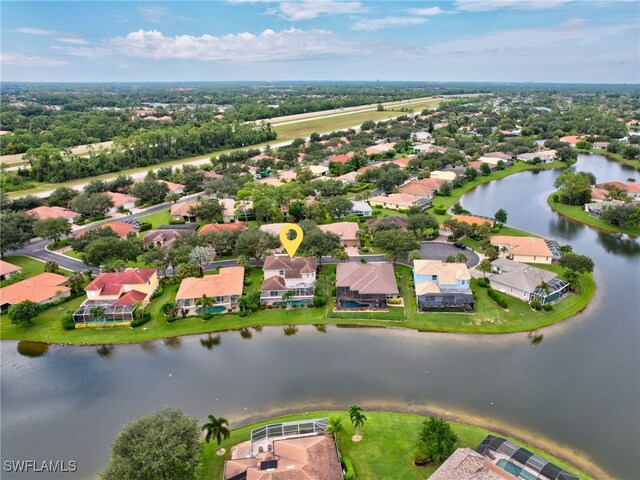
{"x": 37, "y": 31}
{"x": 378, "y": 23}
{"x": 73, "y": 40}
{"x": 291, "y": 44}
{"x": 426, "y": 12}
{"x": 310, "y": 9}
{"x": 159, "y": 14}
{"x": 21, "y": 60}
{"x": 486, "y": 5}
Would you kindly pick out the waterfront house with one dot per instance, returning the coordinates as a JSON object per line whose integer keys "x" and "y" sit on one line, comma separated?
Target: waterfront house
{"x": 7, "y": 270}
{"x": 117, "y": 295}
{"x": 631, "y": 188}
{"x": 365, "y": 285}
{"x": 595, "y": 209}
{"x": 571, "y": 140}
{"x": 523, "y": 281}
{"x": 347, "y": 231}
{"x": 41, "y": 289}
{"x": 544, "y": 156}
{"x": 44, "y": 213}
{"x": 505, "y": 157}
{"x": 399, "y": 201}
{"x": 419, "y": 189}
{"x": 444, "y": 175}
{"x": 223, "y": 288}
{"x": 599, "y": 194}
{"x": 473, "y": 220}
{"x": 442, "y": 285}
{"x": 283, "y": 273}
{"x": 523, "y": 249}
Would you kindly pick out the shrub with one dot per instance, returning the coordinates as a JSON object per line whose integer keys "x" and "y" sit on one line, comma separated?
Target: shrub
{"x": 483, "y": 282}
{"x": 247, "y": 282}
{"x": 176, "y": 222}
{"x": 242, "y": 313}
{"x": 283, "y": 306}
{"x": 144, "y": 226}
{"x": 349, "y": 473}
{"x": 421, "y": 459}
{"x": 394, "y": 301}
{"x": 319, "y": 301}
{"x": 158, "y": 292}
{"x": 497, "y": 297}
{"x": 365, "y": 249}
{"x": 207, "y": 316}
{"x": 535, "y": 304}
{"x": 142, "y": 320}
{"x": 439, "y": 210}
{"x": 68, "y": 323}
{"x": 309, "y": 305}
{"x": 171, "y": 319}
{"x": 547, "y": 307}
{"x": 333, "y": 291}
{"x": 269, "y": 306}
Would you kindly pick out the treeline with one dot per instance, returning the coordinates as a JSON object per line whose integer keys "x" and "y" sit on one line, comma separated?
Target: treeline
{"x": 141, "y": 150}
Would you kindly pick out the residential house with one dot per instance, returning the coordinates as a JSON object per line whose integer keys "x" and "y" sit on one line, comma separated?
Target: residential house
{"x": 523, "y": 249}
{"x": 423, "y": 136}
{"x": 599, "y": 194}
{"x": 121, "y": 200}
{"x": 361, "y": 209}
{"x": 443, "y": 175}
{"x": 525, "y": 282}
{"x": 174, "y": 187}
{"x": 291, "y": 451}
{"x": 477, "y": 165}
{"x": 44, "y": 213}
{"x": 595, "y": 209}
{"x": 429, "y": 148}
{"x": 397, "y": 222}
{"x": 493, "y": 161}
{"x": 348, "y": 178}
{"x": 403, "y": 162}
{"x": 442, "y": 285}
{"x": 473, "y": 220}
{"x": 344, "y": 158}
{"x": 283, "y": 273}
{"x": 399, "y": 201}
{"x": 120, "y": 228}
{"x": 571, "y": 140}
{"x": 505, "y": 157}
{"x": 42, "y": 289}
{"x": 7, "y": 270}
{"x": 467, "y": 464}
{"x": 163, "y": 238}
{"x": 545, "y": 156}
{"x": 379, "y": 148}
{"x": 365, "y": 285}
{"x": 601, "y": 145}
{"x": 222, "y": 227}
{"x": 180, "y": 211}
{"x": 272, "y": 228}
{"x": 632, "y": 188}
{"x": 347, "y": 231}
{"x": 117, "y": 295}
{"x": 286, "y": 175}
{"x": 318, "y": 170}
{"x": 419, "y": 189}
{"x": 224, "y": 288}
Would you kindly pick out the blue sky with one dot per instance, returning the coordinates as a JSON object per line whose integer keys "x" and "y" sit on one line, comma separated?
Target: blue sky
{"x": 584, "y": 41}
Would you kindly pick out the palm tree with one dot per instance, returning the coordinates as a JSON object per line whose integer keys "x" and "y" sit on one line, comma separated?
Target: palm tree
{"x": 357, "y": 418}
{"x": 96, "y": 312}
{"x": 168, "y": 309}
{"x": 217, "y": 428}
{"x": 243, "y": 302}
{"x": 205, "y": 302}
{"x": 288, "y": 295}
{"x": 335, "y": 426}
{"x": 341, "y": 255}
{"x": 75, "y": 282}
{"x": 544, "y": 286}
{"x": 485, "y": 267}
{"x": 415, "y": 255}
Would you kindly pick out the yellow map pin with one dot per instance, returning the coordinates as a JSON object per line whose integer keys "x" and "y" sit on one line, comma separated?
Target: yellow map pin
{"x": 291, "y": 246}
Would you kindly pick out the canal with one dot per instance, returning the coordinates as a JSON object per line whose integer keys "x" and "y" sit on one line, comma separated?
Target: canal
{"x": 579, "y": 388}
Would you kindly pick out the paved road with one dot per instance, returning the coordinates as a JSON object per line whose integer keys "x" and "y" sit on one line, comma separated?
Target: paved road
{"x": 441, "y": 250}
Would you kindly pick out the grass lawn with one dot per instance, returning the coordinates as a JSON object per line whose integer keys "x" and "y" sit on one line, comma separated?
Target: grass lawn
{"x": 163, "y": 217}
{"x": 30, "y": 267}
{"x": 577, "y": 213}
{"x": 385, "y": 452}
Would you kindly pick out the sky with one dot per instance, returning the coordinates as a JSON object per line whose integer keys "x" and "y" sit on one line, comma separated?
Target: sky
{"x": 563, "y": 41}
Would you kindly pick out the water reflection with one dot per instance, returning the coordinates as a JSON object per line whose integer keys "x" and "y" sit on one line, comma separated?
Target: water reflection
{"x": 619, "y": 244}
{"x": 560, "y": 227}
{"x": 105, "y": 350}
{"x": 148, "y": 346}
{"x": 246, "y": 334}
{"x": 321, "y": 327}
{"x": 290, "y": 330}
{"x": 211, "y": 341}
{"x": 173, "y": 342}
{"x": 32, "y": 349}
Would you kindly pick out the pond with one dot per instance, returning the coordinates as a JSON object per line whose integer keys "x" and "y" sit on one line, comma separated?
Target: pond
{"x": 579, "y": 387}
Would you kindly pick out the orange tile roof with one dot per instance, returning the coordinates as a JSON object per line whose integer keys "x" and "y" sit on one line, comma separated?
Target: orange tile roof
{"x": 120, "y": 199}
{"x": 571, "y": 139}
{"x": 341, "y": 158}
{"x": 345, "y": 230}
{"x": 6, "y": 268}
{"x": 121, "y": 229}
{"x": 44, "y": 213}
{"x": 530, "y": 246}
{"x": 471, "y": 220}
{"x": 228, "y": 281}
{"x": 417, "y": 188}
{"x": 222, "y": 227}
{"x": 37, "y": 289}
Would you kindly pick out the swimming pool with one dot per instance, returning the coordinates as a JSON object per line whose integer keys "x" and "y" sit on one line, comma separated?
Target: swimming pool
{"x": 514, "y": 470}
{"x": 216, "y": 309}
{"x": 352, "y": 304}
{"x": 293, "y": 303}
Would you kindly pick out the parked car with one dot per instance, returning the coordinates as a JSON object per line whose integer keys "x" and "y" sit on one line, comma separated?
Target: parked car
{"x": 459, "y": 245}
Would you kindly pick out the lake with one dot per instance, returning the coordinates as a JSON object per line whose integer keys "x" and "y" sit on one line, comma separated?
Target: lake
{"x": 580, "y": 387}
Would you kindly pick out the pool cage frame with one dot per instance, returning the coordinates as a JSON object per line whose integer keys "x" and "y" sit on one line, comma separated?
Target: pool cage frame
{"x": 280, "y": 431}
{"x": 112, "y": 313}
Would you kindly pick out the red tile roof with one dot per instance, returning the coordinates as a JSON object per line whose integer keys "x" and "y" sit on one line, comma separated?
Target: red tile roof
{"x": 121, "y": 229}
{"x": 130, "y": 298}
{"x": 111, "y": 283}
{"x": 341, "y": 158}
{"x": 222, "y": 227}
{"x": 120, "y": 199}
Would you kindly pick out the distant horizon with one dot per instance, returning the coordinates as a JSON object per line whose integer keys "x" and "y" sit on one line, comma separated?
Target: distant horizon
{"x": 507, "y": 41}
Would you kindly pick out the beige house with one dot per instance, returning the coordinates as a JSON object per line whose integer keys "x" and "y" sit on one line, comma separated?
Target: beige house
{"x": 442, "y": 175}
{"x": 42, "y": 289}
{"x": 523, "y": 249}
{"x": 399, "y": 201}
{"x": 114, "y": 286}
{"x": 224, "y": 288}
{"x": 347, "y": 231}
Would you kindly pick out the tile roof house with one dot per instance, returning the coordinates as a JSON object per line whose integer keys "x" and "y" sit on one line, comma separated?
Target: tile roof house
{"x": 348, "y": 178}
{"x": 397, "y": 222}
{"x": 174, "y": 187}
{"x": 225, "y": 288}
{"x": 294, "y": 458}
{"x": 361, "y": 209}
{"x": 442, "y": 285}
{"x": 283, "y": 273}
{"x": 42, "y": 289}
{"x": 120, "y": 228}
{"x": 545, "y": 156}
{"x": 399, "y": 201}
{"x": 379, "y": 148}
{"x": 443, "y": 175}
{"x": 222, "y": 227}
{"x": 523, "y": 249}
{"x": 523, "y": 281}
{"x": 418, "y": 188}
{"x": 347, "y": 231}
{"x": 44, "y": 213}
{"x": 571, "y": 140}
{"x": 117, "y": 294}
{"x": 122, "y": 200}
{"x": 318, "y": 170}
{"x": 340, "y": 158}
{"x": 365, "y": 285}
{"x": 599, "y": 194}
{"x": 632, "y": 188}
{"x": 180, "y": 211}
{"x": 493, "y": 161}
{"x": 472, "y": 220}
{"x": 8, "y": 269}
{"x": 164, "y": 237}
{"x": 499, "y": 155}
{"x": 595, "y": 209}
{"x": 467, "y": 464}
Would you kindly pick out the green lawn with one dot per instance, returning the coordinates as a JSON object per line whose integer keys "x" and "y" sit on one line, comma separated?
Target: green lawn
{"x": 30, "y": 267}
{"x": 577, "y": 213}
{"x": 163, "y": 217}
{"x": 385, "y": 452}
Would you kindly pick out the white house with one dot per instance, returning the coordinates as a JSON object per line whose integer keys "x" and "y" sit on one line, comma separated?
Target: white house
{"x": 283, "y": 273}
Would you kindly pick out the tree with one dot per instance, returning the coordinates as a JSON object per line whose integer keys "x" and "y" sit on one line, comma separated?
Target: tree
{"x": 572, "y": 277}
{"x": 96, "y": 313}
{"x": 206, "y": 303}
{"x": 23, "y": 313}
{"x": 335, "y": 426}
{"x": 445, "y": 189}
{"x": 172, "y": 436}
{"x": 172, "y": 197}
{"x": 485, "y": 169}
{"x": 186, "y": 269}
{"x": 288, "y": 295}
{"x": 75, "y": 281}
{"x": 52, "y": 228}
{"x": 150, "y": 191}
{"x": 437, "y": 440}
{"x": 216, "y": 428}
{"x": 200, "y": 256}
{"x": 90, "y": 205}
{"x": 419, "y": 223}
{"x": 501, "y": 216}
{"x": 16, "y": 230}
{"x": 357, "y": 418}
{"x": 340, "y": 255}
{"x": 106, "y": 249}
{"x": 317, "y": 243}
{"x": 51, "y": 266}
{"x": 208, "y": 210}
{"x": 396, "y": 244}
{"x": 255, "y": 243}
{"x": 338, "y": 207}
{"x": 242, "y": 261}
{"x": 168, "y": 309}
{"x": 577, "y": 263}
{"x": 461, "y": 258}
{"x": 415, "y": 255}
{"x": 61, "y": 197}
{"x": 485, "y": 267}
{"x": 566, "y": 249}
{"x": 574, "y": 189}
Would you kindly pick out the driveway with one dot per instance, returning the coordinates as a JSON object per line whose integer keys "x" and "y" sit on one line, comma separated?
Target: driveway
{"x": 440, "y": 251}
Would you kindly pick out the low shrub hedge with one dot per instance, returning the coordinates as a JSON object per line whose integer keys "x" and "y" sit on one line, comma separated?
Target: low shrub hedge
{"x": 103, "y": 324}
{"x": 142, "y": 320}
{"x": 144, "y": 226}
{"x": 497, "y": 297}
{"x": 68, "y": 323}
{"x": 247, "y": 282}
{"x": 242, "y": 313}
{"x": 158, "y": 292}
{"x": 547, "y": 307}
{"x": 439, "y": 210}
{"x": 349, "y": 473}
{"x": 171, "y": 319}
{"x": 483, "y": 282}
{"x": 319, "y": 301}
